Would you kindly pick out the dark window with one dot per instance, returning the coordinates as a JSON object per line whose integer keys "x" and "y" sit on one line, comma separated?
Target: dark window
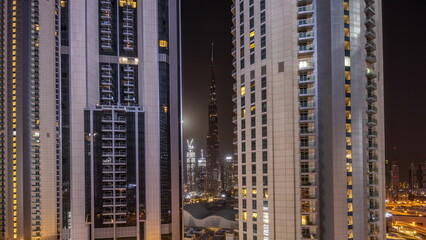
{"x": 253, "y": 132}
{"x": 243, "y": 101}
{"x": 253, "y": 123}
{"x": 253, "y": 181}
{"x": 251, "y": 11}
{"x": 265, "y": 168}
{"x": 243, "y": 158}
{"x": 264, "y": 131}
{"x": 254, "y": 204}
{"x": 243, "y": 124}
{"x": 264, "y": 143}
{"x": 241, "y": 29}
{"x": 253, "y": 145}
{"x": 244, "y": 182}
{"x": 253, "y": 169}
{"x": 243, "y": 146}
{"x": 251, "y": 23}
{"x": 263, "y": 42}
{"x": 243, "y": 169}
{"x": 241, "y": 6}
{"x": 262, "y": 5}
{"x": 264, "y": 119}
{"x": 242, "y": 63}
{"x": 243, "y": 135}
{"x": 262, "y": 17}
{"x": 253, "y": 156}
{"x": 265, "y": 180}
{"x": 252, "y": 75}
{"x": 281, "y": 67}
{"x": 252, "y": 58}
{"x": 262, "y": 29}
{"x": 264, "y": 156}
{"x": 241, "y": 17}
{"x": 264, "y": 107}
{"x": 263, "y": 54}
{"x": 264, "y": 94}
{"x": 252, "y": 98}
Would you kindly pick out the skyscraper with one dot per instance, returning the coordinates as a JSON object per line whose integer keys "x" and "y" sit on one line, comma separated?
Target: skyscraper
{"x": 213, "y": 163}
{"x": 191, "y": 168}
{"x": 91, "y": 119}
{"x": 309, "y": 116}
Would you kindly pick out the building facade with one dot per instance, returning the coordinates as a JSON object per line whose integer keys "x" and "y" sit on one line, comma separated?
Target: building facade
{"x": 309, "y": 119}
{"x": 90, "y": 119}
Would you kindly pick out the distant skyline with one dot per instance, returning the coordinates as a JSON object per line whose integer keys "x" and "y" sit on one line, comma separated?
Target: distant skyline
{"x": 403, "y": 61}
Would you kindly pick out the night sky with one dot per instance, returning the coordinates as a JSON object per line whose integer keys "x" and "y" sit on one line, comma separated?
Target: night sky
{"x": 404, "y": 25}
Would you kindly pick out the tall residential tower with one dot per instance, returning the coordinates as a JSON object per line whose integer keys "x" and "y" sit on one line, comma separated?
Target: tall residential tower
{"x": 309, "y": 117}
{"x": 90, "y": 120}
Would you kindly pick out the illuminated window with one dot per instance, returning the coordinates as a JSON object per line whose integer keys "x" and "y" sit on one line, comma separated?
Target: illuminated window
{"x": 252, "y": 46}
{"x": 347, "y": 61}
{"x": 252, "y": 34}
{"x": 244, "y": 216}
{"x": 348, "y": 128}
{"x": 243, "y": 90}
{"x": 163, "y": 43}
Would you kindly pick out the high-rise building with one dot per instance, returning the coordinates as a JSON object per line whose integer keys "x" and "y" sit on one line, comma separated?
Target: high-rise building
{"x": 90, "y": 120}
{"x": 191, "y": 168}
{"x": 309, "y": 117}
{"x": 213, "y": 162}
{"x": 417, "y": 175}
{"x": 201, "y": 173}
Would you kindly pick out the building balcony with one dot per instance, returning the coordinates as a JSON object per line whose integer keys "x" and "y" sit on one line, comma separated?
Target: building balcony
{"x": 370, "y": 46}
{"x": 106, "y": 46}
{"x": 373, "y": 194}
{"x": 120, "y": 137}
{"x": 371, "y": 97}
{"x": 106, "y": 128}
{"x": 233, "y": 30}
{"x": 309, "y": 35}
{"x": 370, "y": 22}
{"x": 106, "y": 31}
{"x": 370, "y": 34}
{"x": 370, "y": 73}
{"x": 128, "y": 40}
{"x": 373, "y": 170}
{"x": 106, "y": 17}
{"x": 306, "y": 78}
{"x": 306, "y": 23}
{"x": 303, "y": 92}
{"x": 129, "y": 99}
{"x": 306, "y": 66}
{"x": 120, "y": 161}
{"x": 310, "y": 157}
{"x": 370, "y": 58}
{"x": 305, "y": 10}
{"x": 128, "y": 48}
{"x": 372, "y": 134}
{"x": 307, "y": 144}
{"x": 128, "y": 33}
{"x": 370, "y": 10}
{"x": 106, "y": 24}
{"x": 106, "y": 68}
{"x": 372, "y": 146}
{"x": 371, "y": 122}
{"x": 128, "y": 84}
{"x": 234, "y": 52}
{"x": 129, "y": 70}
{"x": 128, "y": 76}
{"x": 233, "y": 8}
{"x": 234, "y": 73}
{"x": 307, "y": 118}
{"x": 107, "y": 97}
{"x": 128, "y": 26}
{"x": 373, "y": 158}
{"x": 106, "y": 82}
{"x": 309, "y": 183}
{"x": 373, "y": 182}
{"x": 304, "y": 49}
{"x": 307, "y": 131}
{"x": 120, "y": 119}
{"x": 308, "y": 170}
{"x": 306, "y": 105}
{"x": 372, "y": 110}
